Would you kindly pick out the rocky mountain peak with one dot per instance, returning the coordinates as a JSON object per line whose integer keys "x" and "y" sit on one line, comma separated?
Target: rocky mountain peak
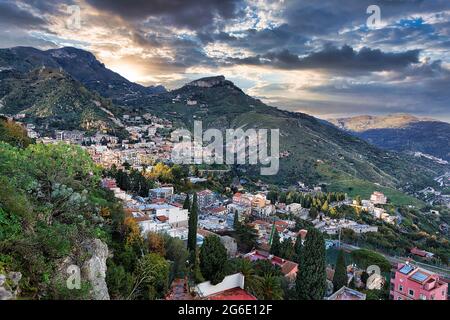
{"x": 208, "y": 82}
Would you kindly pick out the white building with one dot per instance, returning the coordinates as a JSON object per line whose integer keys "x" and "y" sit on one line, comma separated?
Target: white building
{"x": 378, "y": 198}
{"x": 175, "y": 216}
{"x": 161, "y": 193}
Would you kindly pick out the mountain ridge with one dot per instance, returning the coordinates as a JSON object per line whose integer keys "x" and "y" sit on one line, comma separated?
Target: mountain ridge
{"x": 311, "y": 151}
{"x": 365, "y": 122}
{"x": 81, "y": 65}
{"x": 401, "y": 133}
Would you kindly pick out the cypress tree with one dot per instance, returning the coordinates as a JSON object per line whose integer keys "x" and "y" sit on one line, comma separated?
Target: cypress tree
{"x": 187, "y": 203}
{"x": 287, "y": 249}
{"x": 236, "y": 222}
{"x": 297, "y": 248}
{"x": 275, "y": 247}
{"x": 310, "y": 283}
{"x": 193, "y": 220}
{"x": 340, "y": 273}
{"x": 213, "y": 257}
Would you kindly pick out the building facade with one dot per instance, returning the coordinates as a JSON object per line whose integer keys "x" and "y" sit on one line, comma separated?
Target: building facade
{"x": 413, "y": 283}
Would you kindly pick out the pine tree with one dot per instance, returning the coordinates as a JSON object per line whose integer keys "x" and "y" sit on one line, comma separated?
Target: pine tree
{"x": 340, "y": 273}
{"x": 275, "y": 247}
{"x": 310, "y": 283}
{"x": 193, "y": 220}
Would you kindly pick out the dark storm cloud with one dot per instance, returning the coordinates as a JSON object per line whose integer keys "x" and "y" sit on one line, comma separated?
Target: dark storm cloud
{"x": 261, "y": 41}
{"x": 194, "y": 14}
{"x": 332, "y": 58}
{"x": 328, "y": 36}
{"x": 12, "y": 15}
{"x": 418, "y": 89}
{"x": 328, "y": 17}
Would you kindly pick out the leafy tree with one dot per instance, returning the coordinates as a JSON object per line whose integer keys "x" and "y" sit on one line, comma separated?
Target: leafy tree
{"x": 151, "y": 277}
{"x": 263, "y": 267}
{"x": 340, "y": 273}
{"x": 275, "y": 247}
{"x": 119, "y": 281}
{"x": 156, "y": 243}
{"x": 13, "y": 133}
{"x": 161, "y": 172}
{"x": 133, "y": 232}
{"x": 193, "y": 221}
{"x": 177, "y": 253}
{"x": 213, "y": 257}
{"x": 325, "y": 207}
{"x": 313, "y": 213}
{"x": 311, "y": 278}
{"x": 364, "y": 258}
{"x": 272, "y": 196}
{"x": 246, "y": 237}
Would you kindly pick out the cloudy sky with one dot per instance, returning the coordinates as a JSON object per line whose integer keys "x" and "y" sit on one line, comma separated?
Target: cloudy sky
{"x": 326, "y": 58}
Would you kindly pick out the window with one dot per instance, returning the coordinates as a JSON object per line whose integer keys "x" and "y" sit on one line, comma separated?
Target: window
{"x": 423, "y": 297}
{"x": 399, "y": 298}
{"x": 411, "y": 292}
{"x": 400, "y": 288}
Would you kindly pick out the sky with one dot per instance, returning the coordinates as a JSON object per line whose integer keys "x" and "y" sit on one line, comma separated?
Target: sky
{"x": 326, "y": 58}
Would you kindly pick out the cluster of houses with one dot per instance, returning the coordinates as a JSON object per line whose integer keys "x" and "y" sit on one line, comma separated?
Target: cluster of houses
{"x": 372, "y": 206}
{"x": 334, "y": 226}
{"x": 144, "y": 146}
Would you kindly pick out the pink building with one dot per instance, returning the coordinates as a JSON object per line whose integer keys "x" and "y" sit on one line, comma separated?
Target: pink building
{"x": 414, "y": 283}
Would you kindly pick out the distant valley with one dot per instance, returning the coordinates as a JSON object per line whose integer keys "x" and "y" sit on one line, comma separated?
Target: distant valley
{"x": 401, "y": 133}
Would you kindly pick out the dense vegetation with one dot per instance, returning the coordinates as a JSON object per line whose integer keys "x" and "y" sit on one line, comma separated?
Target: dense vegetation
{"x": 50, "y": 204}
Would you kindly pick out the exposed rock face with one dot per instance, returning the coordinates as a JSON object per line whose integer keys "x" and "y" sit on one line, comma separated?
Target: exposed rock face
{"x": 9, "y": 285}
{"x": 207, "y": 82}
{"x": 94, "y": 269}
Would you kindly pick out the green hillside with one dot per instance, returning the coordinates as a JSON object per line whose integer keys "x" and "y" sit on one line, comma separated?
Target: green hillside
{"x": 309, "y": 142}
{"x": 54, "y": 100}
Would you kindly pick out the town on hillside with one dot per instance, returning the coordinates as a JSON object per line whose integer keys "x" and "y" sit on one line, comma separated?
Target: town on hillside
{"x": 256, "y": 226}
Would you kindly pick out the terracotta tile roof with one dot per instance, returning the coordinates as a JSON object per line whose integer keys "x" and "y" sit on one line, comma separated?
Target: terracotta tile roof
{"x": 232, "y": 294}
{"x": 288, "y": 267}
{"x": 418, "y": 252}
{"x": 205, "y": 233}
{"x": 162, "y": 218}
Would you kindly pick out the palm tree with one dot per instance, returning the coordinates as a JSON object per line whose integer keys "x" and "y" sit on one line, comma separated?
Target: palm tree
{"x": 245, "y": 267}
{"x": 269, "y": 287}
